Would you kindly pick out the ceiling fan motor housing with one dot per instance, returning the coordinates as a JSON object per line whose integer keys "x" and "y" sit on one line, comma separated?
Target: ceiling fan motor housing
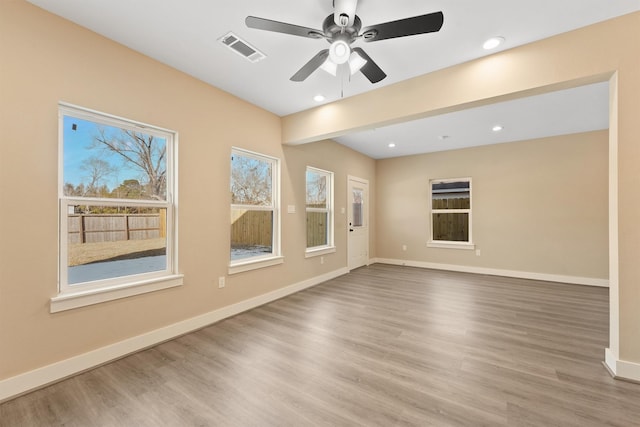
{"x": 334, "y": 32}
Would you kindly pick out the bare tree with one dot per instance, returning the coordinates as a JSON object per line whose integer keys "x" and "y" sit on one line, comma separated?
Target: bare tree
{"x": 145, "y": 152}
{"x": 316, "y": 190}
{"x": 250, "y": 181}
{"x": 97, "y": 170}
{"x": 71, "y": 190}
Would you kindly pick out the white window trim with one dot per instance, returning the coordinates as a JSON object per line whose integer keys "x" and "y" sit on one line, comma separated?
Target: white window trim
{"x": 448, "y": 244}
{"x": 70, "y": 300}
{"x": 80, "y": 295}
{"x": 254, "y": 263}
{"x": 275, "y": 258}
{"x": 314, "y": 251}
{"x": 319, "y": 251}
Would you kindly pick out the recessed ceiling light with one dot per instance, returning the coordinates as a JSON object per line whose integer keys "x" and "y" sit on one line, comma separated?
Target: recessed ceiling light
{"x": 443, "y": 137}
{"x": 497, "y": 128}
{"x": 493, "y": 43}
{"x": 391, "y": 145}
{"x": 319, "y": 98}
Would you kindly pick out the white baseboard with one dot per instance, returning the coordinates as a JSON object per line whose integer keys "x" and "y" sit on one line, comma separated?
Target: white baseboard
{"x": 38, "y": 378}
{"x": 589, "y": 281}
{"x": 621, "y": 369}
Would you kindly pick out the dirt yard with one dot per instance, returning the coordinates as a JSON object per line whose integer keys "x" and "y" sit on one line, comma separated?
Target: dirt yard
{"x": 86, "y": 253}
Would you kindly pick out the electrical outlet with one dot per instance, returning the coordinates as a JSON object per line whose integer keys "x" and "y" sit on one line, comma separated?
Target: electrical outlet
{"x": 321, "y": 260}
{"x": 477, "y": 252}
{"x": 404, "y": 247}
{"x": 221, "y": 282}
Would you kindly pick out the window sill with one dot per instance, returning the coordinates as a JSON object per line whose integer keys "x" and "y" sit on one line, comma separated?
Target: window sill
{"x": 321, "y": 250}
{"x": 71, "y": 300}
{"x": 242, "y": 266}
{"x": 451, "y": 245}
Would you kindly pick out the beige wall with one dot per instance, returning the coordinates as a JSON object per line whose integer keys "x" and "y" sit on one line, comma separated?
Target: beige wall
{"x": 44, "y": 60}
{"x": 538, "y": 206}
{"x": 343, "y": 161}
{"x": 595, "y": 53}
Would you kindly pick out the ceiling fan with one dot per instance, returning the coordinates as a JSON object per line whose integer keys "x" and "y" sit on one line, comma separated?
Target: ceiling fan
{"x": 341, "y": 29}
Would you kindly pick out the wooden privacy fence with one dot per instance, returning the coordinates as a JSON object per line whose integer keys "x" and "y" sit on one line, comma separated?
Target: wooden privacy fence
{"x": 254, "y": 228}
{"x": 251, "y": 228}
{"x": 316, "y": 229}
{"x": 94, "y": 228}
{"x": 457, "y": 203}
{"x": 451, "y": 226}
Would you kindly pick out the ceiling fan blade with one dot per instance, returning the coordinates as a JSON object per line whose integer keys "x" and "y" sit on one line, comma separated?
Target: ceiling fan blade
{"x": 308, "y": 68}
{"x": 370, "y": 69}
{"x": 282, "y": 27}
{"x": 422, "y": 24}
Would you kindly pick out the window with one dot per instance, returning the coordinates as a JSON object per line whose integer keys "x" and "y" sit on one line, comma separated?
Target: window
{"x": 357, "y": 204}
{"x": 451, "y": 213}
{"x": 319, "y": 211}
{"x": 117, "y": 208}
{"x": 255, "y": 214}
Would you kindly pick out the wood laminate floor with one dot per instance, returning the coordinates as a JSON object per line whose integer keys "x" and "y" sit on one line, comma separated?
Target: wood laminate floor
{"x": 381, "y": 346}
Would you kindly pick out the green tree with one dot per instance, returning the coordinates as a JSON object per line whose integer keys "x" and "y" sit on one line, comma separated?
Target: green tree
{"x": 129, "y": 189}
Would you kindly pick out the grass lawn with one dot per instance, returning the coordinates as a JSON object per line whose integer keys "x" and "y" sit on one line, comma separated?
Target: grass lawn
{"x": 86, "y": 253}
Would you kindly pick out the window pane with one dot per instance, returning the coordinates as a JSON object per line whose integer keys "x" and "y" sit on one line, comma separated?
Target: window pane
{"x": 316, "y": 190}
{"x": 452, "y": 227}
{"x": 114, "y": 241}
{"x": 110, "y": 162}
{"x": 251, "y": 233}
{"x": 451, "y": 195}
{"x": 357, "y": 202}
{"x": 251, "y": 181}
{"x": 317, "y": 229}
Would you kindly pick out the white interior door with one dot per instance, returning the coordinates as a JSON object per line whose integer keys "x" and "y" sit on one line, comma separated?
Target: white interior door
{"x": 358, "y": 222}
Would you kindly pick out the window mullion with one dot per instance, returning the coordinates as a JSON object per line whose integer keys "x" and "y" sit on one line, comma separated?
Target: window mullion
{"x": 252, "y": 208}
{"x": 440, "y": 211}
{"x": 114, "y": 202}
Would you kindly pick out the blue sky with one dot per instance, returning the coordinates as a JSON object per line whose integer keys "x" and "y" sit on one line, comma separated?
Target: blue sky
{"x": 78, "y": 148}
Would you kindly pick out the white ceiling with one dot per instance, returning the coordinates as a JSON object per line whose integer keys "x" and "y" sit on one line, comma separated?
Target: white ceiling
{"x": 581, "y": 109}
{"x": 184, "y": 34}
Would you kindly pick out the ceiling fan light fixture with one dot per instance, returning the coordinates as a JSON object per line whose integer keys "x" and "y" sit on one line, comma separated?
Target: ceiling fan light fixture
{"x": 339, "y": 52}
{"x": 330, "y": 67}
{"x": 356, "y": 62}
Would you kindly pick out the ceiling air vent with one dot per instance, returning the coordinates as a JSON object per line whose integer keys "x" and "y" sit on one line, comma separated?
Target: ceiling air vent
{"x": 241, "y": 47}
